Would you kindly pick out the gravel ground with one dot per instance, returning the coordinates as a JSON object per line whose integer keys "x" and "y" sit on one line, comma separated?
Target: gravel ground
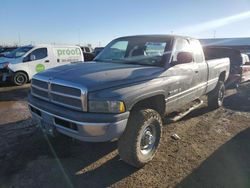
{"x": 213, "y": 151}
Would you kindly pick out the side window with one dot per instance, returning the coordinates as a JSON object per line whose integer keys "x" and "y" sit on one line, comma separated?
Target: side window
{"x": 181, "y": 45}
{"x": 197, "y": 51}
{"x": 39, "y": 53}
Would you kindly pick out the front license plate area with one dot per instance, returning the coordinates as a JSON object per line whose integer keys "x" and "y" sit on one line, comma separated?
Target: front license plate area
{"x": 47, "y": 128}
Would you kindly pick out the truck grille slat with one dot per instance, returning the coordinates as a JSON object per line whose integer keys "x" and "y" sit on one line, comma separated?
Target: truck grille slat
{"x": 58, "y": 93}
{"x": 65, "y": 90}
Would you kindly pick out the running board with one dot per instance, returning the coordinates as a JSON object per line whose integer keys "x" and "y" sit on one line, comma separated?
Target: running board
{"x": 180, "y": 115}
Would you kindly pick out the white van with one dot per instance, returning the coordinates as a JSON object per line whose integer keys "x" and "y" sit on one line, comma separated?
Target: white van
{"x": 23, "y": 63}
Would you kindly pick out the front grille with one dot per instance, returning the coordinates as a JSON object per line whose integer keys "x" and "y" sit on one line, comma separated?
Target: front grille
{"x": 64, "y": 95}
{"x": 65, "y": 90}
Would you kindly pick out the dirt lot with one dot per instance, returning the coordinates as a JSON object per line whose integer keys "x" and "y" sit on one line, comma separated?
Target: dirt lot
{"x": 214, "y": 151}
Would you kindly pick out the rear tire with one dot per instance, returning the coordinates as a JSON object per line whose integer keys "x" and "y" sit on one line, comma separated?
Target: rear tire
{"x": 141, "y": 138}
{"x": 20, "y": 78}
{"x": 216, "y": 97}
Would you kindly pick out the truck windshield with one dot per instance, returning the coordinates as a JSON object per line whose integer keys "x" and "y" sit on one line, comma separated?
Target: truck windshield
{"x": 18, "y": 52}
{"x": 133, "y": 50}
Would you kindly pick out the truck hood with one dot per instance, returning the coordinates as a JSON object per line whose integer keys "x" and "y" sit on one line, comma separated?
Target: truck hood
{"x": 101, "y": 75}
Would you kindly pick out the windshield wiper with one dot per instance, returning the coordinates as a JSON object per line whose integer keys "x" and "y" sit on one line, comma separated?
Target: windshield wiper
{"x": 123, "y": 61}
{"x": 110, "y": 60}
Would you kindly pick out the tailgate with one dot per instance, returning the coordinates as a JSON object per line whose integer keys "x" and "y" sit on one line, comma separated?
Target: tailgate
{"x": 245, "y": 72}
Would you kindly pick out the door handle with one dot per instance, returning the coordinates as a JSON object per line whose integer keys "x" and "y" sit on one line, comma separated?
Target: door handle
{"x": 46, "y": 61}
{"x": 196, "y": 71}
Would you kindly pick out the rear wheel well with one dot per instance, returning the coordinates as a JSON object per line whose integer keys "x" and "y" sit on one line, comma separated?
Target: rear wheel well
{"x": 222, "y": 76}
{"x": 156, "y": 103}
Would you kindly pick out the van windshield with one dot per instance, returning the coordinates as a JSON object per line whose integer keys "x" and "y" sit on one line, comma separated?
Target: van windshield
{"x": 19, "y": 52}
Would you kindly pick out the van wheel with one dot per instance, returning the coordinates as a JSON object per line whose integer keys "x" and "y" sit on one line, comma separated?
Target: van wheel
{"x": 20, "y": 78}
{"x": 216, "y": 97}
{"x": 140, "y": 140}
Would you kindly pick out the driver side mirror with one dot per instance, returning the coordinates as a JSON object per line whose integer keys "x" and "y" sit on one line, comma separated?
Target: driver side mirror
{"x": 184, "y": 57}
{"x": 32, "y": 57}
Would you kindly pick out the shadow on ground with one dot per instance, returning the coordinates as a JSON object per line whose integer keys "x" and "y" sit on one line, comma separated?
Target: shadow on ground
{"x": 232, "y": 102}
{"x": 235, "y": 102}
{"x": 229, "y": 166}
{"x": 67, "y": 163}
{"x": 14, "y": 93}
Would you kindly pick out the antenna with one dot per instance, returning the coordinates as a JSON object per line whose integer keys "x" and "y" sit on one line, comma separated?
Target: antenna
{"x": 19, "y": 39}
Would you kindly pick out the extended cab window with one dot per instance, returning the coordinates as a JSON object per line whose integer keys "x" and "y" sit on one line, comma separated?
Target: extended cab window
{"x": 197, "y": 51}
{"x": 181, "y": 45}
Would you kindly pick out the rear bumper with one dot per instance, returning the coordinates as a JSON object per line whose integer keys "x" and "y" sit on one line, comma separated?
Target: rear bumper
{"x": 89, "y": 127}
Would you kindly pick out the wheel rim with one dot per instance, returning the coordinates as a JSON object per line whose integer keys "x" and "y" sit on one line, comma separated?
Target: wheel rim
{"x": 20, "y": 79}
{"x": 147, "y": 142}
{"x": 221, "y": 95}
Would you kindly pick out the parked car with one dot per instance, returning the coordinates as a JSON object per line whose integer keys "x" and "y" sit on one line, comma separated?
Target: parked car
{"x": 21, "y": 64}
{"x": 244, "y": 86}
{"x": 97, "y": 50}
{"x": 86, "y": 49}
{"x": 127, "y": 91}
{"x": 244, "y": 90}
{"x": 239, "y": 69}
{"x": 87, "y": 53}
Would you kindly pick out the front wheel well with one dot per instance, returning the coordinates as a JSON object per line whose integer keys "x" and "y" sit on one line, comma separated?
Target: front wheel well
{"x": 156, "y": 103}
{"x": 24, "y": 73}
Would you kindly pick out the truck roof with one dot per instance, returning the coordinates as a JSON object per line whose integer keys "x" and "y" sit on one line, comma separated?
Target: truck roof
{"x": 159, "y": 36}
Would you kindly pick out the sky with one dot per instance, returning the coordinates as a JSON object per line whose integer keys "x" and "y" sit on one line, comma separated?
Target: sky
{"x": 97, "y": 22}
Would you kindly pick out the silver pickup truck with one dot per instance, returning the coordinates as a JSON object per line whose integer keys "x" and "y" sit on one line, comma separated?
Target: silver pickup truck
{"x": 126, "y": 92}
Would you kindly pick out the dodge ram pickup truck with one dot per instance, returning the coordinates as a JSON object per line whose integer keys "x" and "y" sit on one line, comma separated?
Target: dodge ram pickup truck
{"x": 126, "y": 92}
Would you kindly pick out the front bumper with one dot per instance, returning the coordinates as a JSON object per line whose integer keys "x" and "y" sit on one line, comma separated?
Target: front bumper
{"x": 91, "y": 127}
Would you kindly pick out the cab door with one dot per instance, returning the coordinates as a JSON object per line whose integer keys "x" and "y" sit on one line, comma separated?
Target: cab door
{"x": 38, "y": 60}
{"x": 183, "y": 87}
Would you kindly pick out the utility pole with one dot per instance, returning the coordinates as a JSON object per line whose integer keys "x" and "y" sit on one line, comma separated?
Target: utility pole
{"x": 79, "y": 36}
{"x": 214, "y": 34}
{"x": 19, "y": 39}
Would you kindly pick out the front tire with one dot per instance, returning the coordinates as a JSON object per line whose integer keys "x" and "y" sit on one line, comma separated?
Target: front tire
{"x": 141, "y": 138}
{"x": 20, "y": 78}
{"x": 216, "y": 97}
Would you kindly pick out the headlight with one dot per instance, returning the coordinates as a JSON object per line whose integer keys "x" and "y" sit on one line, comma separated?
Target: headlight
{"x": 106, "y": 106}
